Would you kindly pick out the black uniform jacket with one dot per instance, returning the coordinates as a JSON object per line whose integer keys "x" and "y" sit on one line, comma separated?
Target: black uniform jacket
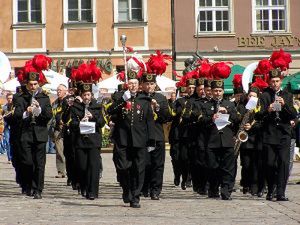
{"x": 39, "y": 131}
{"x": 224, "y": 137}
{"x": 276, "y": 127}
{"x": 133, "y": 127}
{"x": 77, "y": 114}
{"x": 161, "y": 115}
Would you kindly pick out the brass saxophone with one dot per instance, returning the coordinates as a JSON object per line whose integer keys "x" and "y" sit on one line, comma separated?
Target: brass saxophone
{"x": 242, "y": 135}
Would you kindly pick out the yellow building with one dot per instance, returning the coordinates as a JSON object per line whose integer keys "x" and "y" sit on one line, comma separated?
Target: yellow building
{"x": 74, "y": 30}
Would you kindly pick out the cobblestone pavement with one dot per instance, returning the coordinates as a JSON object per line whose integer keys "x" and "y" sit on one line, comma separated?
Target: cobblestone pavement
{"x": 61, "y": 205}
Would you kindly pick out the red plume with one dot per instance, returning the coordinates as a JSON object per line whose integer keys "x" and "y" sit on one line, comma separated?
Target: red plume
{"x": 192, "y": 75}
{"x": 121, "y": 76}
{"x": 281, "y": 59}
{"x": 220, "y": 70}
{"x": 157, "y": 64}
{"x": 129, "y": 49}
{"x": 260, "y": 84}
{"x": 237, "y": 80}
{"x": 205, "y": 70}
{"x": 264, "y": 66}
{"x": 41, "y": 62}
{"x": 181, "y": 82}
{"x": 95, "y": 71}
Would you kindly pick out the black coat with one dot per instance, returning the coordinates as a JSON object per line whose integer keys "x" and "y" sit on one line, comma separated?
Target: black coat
{"x": 274, "y": 130}
{"x": 39, "y": 131}
{"x": 161, "y": 116}
{"x": 224, "y": 137}
{"x": 177, "y": 108}
{"x": 133, "y": 127}
{"x": 77, "y": 114}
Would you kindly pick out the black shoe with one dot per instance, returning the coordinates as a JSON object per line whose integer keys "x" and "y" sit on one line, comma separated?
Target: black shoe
{"x": 226, "y": 197}
{"x": 91, "y": 197}
{"x": 269, "y": 197}
{"x": 146, "y": 194}
{"x": 281, "y": 198}
{"x": 37, "y": 195}
{"x": 176, "y": 181}
{"x": 245, "y": 190}
{"x": 183, "y": 186}
{"x": 212, "y": 194}
{"x": 135, "y": 205}
{"x": 188, "y": 184}
{"x": 29, "y": 192}
{"x": 154, "y": 197}
{"x": 126, "y": 198}
{"x": 260, "y": 194}
{"x": 69, "y": 182}
{"x": 202, "y": 192}
{"x": 83, "y": 193}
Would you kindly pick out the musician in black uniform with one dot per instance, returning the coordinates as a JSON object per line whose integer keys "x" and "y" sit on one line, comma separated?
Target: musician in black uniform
{"x": 183, "y": 109}
{"x": 155, "y": 159}
{"x": 133, "y": 133}
{"x": 88, "y": 142}
{"x": 14, "y": 138}
{"x": 33, "y": 111}
{"x": 221, "y": 159}
{"x": 68, "y": 136}
{"x": 250, "y": 151}
{"x": 199, "y": 170}
{"x": 207, "y": 89}
{"x": 276, "y": 113}
{"x": 174, "y": 137}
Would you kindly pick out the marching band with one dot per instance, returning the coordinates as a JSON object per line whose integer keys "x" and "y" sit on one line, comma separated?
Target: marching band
{"x": 208, "y": 131}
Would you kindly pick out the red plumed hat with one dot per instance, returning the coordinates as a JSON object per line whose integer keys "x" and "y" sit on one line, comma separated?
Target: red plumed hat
{"x": 260, "y": 84}
{"x": 237, "y": 80}
{"x": 157, "y": 64}
{"x": 220, "y": 70}
{"x": 86, "y": 73}
{"x": 263, "y": 68}
{"x": 41, "y": 62}
{"x": 205, "y": 70}
{"x": 281, "y": 59}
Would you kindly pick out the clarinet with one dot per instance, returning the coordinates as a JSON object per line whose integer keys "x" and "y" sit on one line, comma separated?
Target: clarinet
{"x": 277, "y": 118}
{"x": 32, "y": 122}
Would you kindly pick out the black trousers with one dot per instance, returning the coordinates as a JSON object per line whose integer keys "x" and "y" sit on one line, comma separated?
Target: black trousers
{"x": 69, "y": 153}
{"x": 174, "y": 153}
{"x": 277, "y": 159}
{"x": 155, "y": 162}
{"x": 221, "y": 165}
{"x": 33, "y": 161}
{"x": 184, "y": 159}
{"x": 252, "y": 171}
{"x": 130, "y": 162}
{"x": 199, "y": 169}
{"x": 88, "y": 161}
{"x": 16, "y": 160}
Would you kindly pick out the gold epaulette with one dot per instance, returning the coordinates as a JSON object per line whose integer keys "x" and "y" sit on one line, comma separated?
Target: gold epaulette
{"x": 257, "y": 109}
{"x": 172, "y": 112}
{"x": 155, "y": 116}
{"x": 106, "y": 106}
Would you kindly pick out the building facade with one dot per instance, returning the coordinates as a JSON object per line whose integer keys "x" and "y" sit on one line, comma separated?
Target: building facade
{"x": 240, "y": 31}
{"x": 71, "y": 31}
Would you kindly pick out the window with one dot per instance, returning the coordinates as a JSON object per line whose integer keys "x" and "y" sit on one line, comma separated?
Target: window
{"x": 29, "y": 11}
{"x": 214, "y": 15}
{"x": 130, "y": 10}
{"x": 270, "y": 15}
{"x": 80, "y": 11}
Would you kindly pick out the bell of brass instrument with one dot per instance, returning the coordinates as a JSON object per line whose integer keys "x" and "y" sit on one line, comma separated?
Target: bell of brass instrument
{"x": 242, "y": 136}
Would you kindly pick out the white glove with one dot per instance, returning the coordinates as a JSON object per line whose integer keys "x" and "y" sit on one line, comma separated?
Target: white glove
{"x": 126, "y": 95}
{"x": 150, "y": 149}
